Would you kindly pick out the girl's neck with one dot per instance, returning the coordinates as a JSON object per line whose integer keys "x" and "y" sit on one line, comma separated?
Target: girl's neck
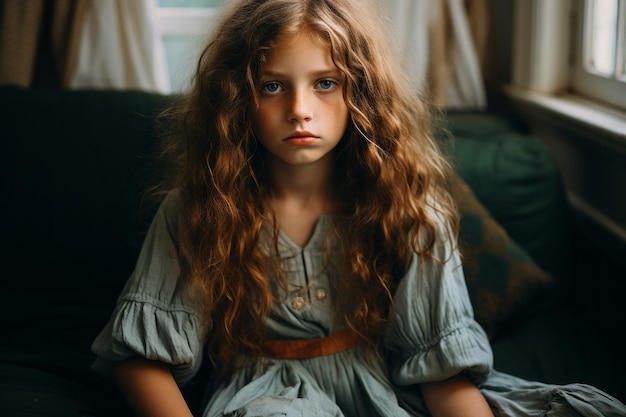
{"x": 306, "y": 186}
{"x": 301, "y": 194}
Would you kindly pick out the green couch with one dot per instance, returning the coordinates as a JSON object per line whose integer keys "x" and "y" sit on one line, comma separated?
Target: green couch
{"x": 74, "y": 166}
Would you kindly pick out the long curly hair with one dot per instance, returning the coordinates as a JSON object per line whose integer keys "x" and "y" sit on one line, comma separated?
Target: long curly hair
{"x": 393, "y": 177}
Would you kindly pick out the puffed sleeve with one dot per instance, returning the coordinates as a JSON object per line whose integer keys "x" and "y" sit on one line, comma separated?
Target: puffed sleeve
{"x": 154, "y": 318}
{"x": 433, "y": 334}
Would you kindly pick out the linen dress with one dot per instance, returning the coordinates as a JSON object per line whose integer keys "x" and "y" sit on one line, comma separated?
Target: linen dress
{"x": 432, "y": 336}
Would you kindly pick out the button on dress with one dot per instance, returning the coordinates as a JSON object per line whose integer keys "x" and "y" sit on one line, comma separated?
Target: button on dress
{"x": 432, "y": 336}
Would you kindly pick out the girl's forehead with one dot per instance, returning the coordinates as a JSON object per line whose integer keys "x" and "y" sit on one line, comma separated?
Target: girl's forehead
{"x": 301, "y": 49}
{"x": 300, "y": 31}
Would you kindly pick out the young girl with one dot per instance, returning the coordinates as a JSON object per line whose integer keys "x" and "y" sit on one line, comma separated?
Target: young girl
{"x": 307, "y": 245}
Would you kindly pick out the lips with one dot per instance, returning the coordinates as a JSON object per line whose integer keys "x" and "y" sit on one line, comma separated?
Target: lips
{"x": 301, "y": 138}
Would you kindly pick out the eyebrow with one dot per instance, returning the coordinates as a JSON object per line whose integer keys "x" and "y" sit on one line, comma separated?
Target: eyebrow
{"x": 318, "y": 73}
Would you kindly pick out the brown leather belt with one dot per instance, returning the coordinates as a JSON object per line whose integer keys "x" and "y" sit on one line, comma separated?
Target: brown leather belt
{"x": 311, "y": 348}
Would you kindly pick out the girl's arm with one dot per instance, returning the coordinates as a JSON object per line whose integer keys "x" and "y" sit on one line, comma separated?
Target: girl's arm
{"x": 150, "y": 388}
{"x": 455, "y": 397}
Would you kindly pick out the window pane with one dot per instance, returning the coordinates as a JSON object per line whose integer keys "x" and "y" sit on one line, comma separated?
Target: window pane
{"x": 621, "y": 42}
{"x": 191, "y": 3}
{"x": 182, "y": 54}
{"x": 602, "y": 36}
{"x": 598, "y": 72}
{"x": 622, "y": 72}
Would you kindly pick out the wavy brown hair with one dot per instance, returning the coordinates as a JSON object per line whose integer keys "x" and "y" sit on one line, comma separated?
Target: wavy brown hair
{"x": 389, "y": 167}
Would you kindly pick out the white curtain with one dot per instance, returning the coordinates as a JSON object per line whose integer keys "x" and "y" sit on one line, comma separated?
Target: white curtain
{"x": 438, "y": 41}
{"x": 118, "y": 49}
{"x": 410, "y": 23}
{"x": 435, "y": 42}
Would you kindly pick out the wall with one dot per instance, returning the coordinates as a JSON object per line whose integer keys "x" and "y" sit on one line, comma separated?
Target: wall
{"x": 592, "y": 159}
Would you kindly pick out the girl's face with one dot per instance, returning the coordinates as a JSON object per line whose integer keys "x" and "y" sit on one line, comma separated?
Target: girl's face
{"x": 302, "y": 115}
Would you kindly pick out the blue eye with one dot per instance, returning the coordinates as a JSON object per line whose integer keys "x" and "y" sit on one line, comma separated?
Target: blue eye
{"x": 271, "y": 88}
{"x": 326, "y": 85}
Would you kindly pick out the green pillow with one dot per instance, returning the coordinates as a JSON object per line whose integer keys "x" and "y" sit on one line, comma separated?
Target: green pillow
{"x": 501, "y": 277}
{"x": 517, "y": 180}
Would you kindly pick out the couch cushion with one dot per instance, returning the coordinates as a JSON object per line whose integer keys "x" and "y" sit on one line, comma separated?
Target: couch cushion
{"x": 517, "y": 180}
{"x": 32, "y": 392}
{"x": 45, "y": 355}
{"x": 501, "y": 277}
{"x": 74, "y": 165}
{"x": 561, "y": 346}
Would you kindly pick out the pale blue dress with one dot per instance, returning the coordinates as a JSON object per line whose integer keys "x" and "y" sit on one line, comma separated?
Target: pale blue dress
{"x": 432, "y": 336}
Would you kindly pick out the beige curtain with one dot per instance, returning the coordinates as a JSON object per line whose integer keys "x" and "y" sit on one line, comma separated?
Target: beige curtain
{"x": 39, "y": 41}
{"x": 110, "y": 44}
{"x": 119, "y": 48}
{"x": 443, "y": 45}
{"x": 80, "y": 44}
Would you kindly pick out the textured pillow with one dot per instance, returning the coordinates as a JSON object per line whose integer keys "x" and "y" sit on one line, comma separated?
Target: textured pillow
{"x": 515, "y": 177}
{"x": 501, "y": 277}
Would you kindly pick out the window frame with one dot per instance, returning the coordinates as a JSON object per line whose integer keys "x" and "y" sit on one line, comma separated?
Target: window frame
{"x": 541, "y": 45}
{"x": 547, "y": 53}
{"x": 608, "y": 89}
{"x": 194, "y": 23}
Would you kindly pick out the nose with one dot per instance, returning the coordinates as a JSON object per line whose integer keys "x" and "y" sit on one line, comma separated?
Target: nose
{"x": 300, "y": 108}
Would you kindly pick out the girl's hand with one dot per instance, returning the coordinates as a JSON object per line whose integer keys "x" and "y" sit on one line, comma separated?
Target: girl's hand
{"x": 455, "y": 397}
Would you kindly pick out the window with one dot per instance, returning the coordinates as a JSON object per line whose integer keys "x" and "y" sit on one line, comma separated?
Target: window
{"x": 600, "y": 65}
{"x": 571, "y": 47}
{"x": 560, "y": 48}
{"x": 183, "y": 27}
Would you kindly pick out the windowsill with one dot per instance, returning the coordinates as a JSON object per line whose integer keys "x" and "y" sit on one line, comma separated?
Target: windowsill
{"x": 588, "y": 140}
{"x": 607, "y": 124}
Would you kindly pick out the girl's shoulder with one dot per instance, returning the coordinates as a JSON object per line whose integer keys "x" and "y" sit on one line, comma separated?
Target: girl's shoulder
{"x": 439, "y": 215}
{"x": 168, "y": 212}
{"x": 172, "y": 200}
{"x": 168, "y": 202}
{"x": 441, "y": 234}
